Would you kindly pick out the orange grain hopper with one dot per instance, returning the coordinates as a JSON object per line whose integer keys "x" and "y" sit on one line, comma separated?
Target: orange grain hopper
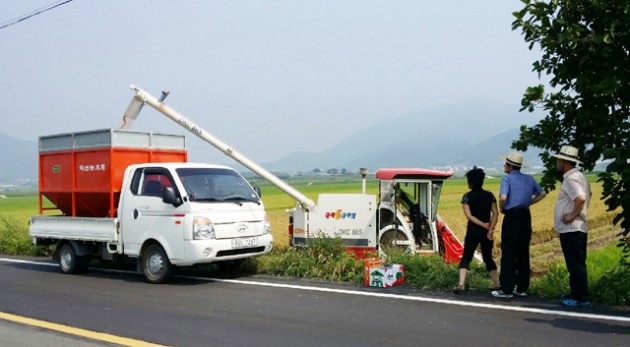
{"x": 81, "y": 173}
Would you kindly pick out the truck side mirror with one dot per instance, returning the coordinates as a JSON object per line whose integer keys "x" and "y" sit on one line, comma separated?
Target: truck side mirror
{"x": 258, "y": 191}
{"x": 169, "y": 197}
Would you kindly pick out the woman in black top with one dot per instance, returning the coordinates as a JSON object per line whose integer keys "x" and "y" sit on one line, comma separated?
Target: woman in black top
{"x": 480, "y": 208}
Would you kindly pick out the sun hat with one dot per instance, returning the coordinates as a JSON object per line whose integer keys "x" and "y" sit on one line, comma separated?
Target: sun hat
{"x": 568, "y": 153}
{"x": 514, "y": 159}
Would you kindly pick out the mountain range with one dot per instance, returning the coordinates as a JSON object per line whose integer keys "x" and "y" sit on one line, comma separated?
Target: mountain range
{"x": 472, "y": 132}
{"x": 18, "y": 159}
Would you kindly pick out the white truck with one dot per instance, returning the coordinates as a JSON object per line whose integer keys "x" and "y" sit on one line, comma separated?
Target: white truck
{"x": 125, "y": 193}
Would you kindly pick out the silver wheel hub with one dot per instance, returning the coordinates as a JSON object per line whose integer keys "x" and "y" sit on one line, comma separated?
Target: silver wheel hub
{"x": 66, "y": 260}
{"x": 155, "y": 264}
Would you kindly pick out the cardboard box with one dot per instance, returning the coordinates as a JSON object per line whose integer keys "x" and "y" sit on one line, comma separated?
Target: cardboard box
{"x": 377, "y": 274}
{"x": 369, "y": 265}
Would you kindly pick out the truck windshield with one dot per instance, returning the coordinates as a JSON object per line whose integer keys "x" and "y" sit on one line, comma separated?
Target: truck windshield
{"x": 212, "y": 185}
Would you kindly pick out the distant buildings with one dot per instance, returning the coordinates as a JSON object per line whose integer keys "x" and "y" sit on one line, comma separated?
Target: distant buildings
{"x": 11, "y": 185}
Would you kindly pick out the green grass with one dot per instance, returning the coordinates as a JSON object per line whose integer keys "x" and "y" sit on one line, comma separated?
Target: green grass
{"x": 14, "y": 238}
{"x": 324, "y": 258}
{"x": 608, "y": 279}
{"x": 14, "y": 213}
{"x": 19, "y": 205}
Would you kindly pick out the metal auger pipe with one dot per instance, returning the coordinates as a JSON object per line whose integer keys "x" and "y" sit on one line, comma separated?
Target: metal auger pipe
{"x": 142, "y": 97}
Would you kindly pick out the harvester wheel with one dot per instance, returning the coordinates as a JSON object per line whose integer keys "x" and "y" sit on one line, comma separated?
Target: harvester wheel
{"x": 388, "y": 237}
{"x": 155, "y": 264}
{"x": 69, "y": 262}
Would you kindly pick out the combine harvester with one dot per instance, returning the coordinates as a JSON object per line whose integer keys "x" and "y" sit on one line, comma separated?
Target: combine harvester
{"x": 403, "y": 216}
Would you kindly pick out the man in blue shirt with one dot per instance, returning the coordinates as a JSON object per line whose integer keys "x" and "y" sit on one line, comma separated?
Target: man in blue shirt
{"x": 518, "y": 191}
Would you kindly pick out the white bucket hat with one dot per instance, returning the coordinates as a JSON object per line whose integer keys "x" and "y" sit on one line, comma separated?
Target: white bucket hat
{"x": 514, "y": 159}
{"x": 568, "y": 153}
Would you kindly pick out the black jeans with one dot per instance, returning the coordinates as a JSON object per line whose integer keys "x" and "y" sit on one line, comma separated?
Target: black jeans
{"x": 516, "y": 234}
{"x": 574, "y": 250}
{"x": 475, "y": 237}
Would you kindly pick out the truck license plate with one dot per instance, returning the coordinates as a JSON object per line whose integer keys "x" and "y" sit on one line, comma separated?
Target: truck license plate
{"x": 249, "y": 242}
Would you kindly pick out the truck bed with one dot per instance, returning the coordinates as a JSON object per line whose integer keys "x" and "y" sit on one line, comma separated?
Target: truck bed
{"x": 74, "y": 228}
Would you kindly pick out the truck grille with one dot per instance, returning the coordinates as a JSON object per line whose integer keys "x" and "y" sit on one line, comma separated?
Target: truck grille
{"x": 240, "y": 251}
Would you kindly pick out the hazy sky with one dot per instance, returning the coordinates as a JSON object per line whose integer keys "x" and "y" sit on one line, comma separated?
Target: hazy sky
{"x": 267, "y": 77}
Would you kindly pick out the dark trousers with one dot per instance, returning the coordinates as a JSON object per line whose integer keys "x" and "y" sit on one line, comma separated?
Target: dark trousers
{"x": 574, "y": 250}
{"x": 475, "y": 237}
{"x": 516, "y": 233}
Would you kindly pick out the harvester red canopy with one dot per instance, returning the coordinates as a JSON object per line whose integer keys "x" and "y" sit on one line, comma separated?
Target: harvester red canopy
{"x": 400, "y": 173}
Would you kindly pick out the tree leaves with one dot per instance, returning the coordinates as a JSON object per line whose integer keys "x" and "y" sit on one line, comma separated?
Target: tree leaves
{"x": 585, "y": 47}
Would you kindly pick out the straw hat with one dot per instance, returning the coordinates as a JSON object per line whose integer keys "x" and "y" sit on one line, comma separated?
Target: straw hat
{"x": 568, "y": 153}
{"x": 514, "y": 159}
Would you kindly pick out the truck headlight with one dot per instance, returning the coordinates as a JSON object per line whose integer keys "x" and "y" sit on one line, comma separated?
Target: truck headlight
{"x": 203, "y": 229}
{"x": 267, "y": 227}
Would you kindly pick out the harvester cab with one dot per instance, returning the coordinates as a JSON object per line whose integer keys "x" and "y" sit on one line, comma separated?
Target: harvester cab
{"x": 403, "y": 217}
{"x": 407, "y": 213}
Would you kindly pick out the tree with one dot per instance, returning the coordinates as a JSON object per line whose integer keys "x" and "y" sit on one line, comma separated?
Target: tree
{"x": 585, "y": 48}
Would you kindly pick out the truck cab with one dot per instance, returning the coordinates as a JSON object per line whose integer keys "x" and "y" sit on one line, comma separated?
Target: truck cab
{"x": 197, "y": 213}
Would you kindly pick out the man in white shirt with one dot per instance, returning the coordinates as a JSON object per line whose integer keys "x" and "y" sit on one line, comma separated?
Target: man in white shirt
{"x": 570, "y": 222}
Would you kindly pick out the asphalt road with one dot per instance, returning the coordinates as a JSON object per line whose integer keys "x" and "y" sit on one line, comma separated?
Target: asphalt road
{"x": 196, "y": 310}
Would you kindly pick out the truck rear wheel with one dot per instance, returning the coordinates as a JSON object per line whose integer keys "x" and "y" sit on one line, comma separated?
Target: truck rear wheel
{"x": 69, "y": 262}
{"x": 155, "y": 264}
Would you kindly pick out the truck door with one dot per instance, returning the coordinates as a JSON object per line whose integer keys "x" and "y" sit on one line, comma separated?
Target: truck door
{"x": 146, "y": 216}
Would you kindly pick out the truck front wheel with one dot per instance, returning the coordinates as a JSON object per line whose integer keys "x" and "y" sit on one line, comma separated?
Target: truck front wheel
{"x": 69, "y": 262}
{"x": 155, "y": 264}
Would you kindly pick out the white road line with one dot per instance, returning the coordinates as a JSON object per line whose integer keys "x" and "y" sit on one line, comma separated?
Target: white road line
{"x": 432, "y": 300}
{"x": 8, "y": 260}
{"x": 380, "y": 295}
